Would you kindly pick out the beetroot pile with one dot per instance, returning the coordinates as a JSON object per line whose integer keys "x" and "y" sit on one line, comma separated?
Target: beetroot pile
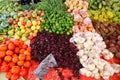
{"x": 59, "y": 45}
{"x": 113, "y": 44}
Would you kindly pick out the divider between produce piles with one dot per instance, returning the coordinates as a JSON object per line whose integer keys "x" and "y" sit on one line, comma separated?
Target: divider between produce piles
{"x": 91, "y": 46}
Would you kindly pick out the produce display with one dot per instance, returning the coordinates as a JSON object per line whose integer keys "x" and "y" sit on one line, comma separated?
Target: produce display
{"x": 82, "y": 21}
{"x": 91, "y": 48}
{"x": 60, "y": 74}
{"x": 9, "y": 6}
{"x": 59, "y": 46}
{"x": 7, "y": 10}
{"x": 106, "y": 29}
{"x": 25, "y": 24}
{"x": 4, "y": 25}
{"x": 104, "y": 10}
{"x": 15, "y": 59}
{"x": 113, "y": 44}
{"x": 76, "y": 4}
{"x": 60, "y": 39}
{"x": 56, "y": 19}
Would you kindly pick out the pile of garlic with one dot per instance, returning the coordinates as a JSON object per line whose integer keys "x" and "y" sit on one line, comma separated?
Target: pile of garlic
{"x": 79, "y": 4}
{"x": 91, "y": 47}
{"x": 82, "y": 21}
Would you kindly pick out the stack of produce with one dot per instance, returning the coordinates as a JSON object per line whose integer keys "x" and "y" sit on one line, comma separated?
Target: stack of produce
{"x": 57, "y": 20}
{"x": 82, "y": 21}
{"x": 113, "y": 44}
{"x": 59, "y": 45}
{"x": 76, "y": 4}
{"x": 7, "y": 10}
{"x": 81, "y": 17}
{"x": 106, "y": 16}
{"x": 9, "y": 6}
{"x": 91, "y": 48}
{"x": 105, "y": 10}
{"x": 4, "y": 25}
{"x": 106, "y": 29}
{"x": 15, "y": 59}
{"x": 25, "y": 24}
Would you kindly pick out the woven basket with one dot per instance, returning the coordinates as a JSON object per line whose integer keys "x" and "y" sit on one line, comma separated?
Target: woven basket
{"x": 106, "y": 29}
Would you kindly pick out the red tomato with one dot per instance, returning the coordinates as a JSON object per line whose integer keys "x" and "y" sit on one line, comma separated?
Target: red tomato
{"x": 25, "y": 46}
{"x": 9, "y": 52}
{"x": 14, "y": 77}
{"x": 15, "y": 69}
{"x": 5, "y": 68}
{"x": 21, "y": 57}
{"x": 23, "y": 72}
{"x": 8, "y": 75}
{"x": 20, "y": 63}
{"x": 7, "y": 58}
{"x": 11, "y": 64}
{"x": 11, "y": 46}
{"x": 15, "y": 59}
{"x": 27, "y": 64}
{"x": 17, "y": 42}
{"x": 17, "y": 49}
{"x": 22, "y": 51}
{"x": 2, "y": 54}
{"x": 3, "y": 47}
{"x": 28, "y": 58}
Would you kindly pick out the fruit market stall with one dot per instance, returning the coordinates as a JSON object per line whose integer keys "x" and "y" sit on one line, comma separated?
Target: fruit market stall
{"x": 60, "y": 40}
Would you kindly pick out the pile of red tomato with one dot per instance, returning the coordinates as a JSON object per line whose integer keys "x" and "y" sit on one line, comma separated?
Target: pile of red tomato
{"x": 15, "y": 59}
